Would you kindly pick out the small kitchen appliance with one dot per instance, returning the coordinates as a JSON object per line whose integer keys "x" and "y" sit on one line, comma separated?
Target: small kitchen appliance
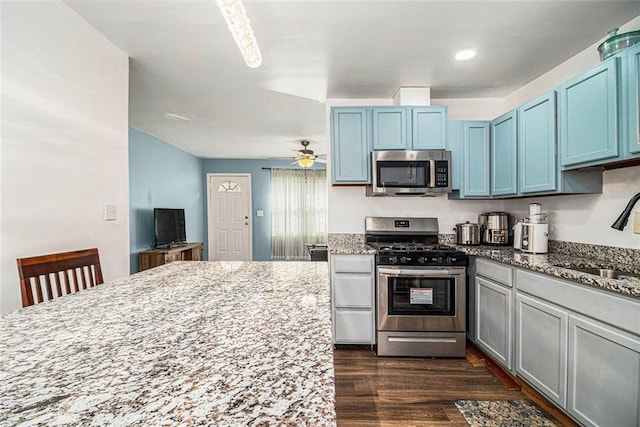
{"x": 467, "y": 234}
{"x": 494, "y": 228}
{"x": 531, "y": 234}
{"x": 535, "y": 238}
{"x": 420, "y": 289}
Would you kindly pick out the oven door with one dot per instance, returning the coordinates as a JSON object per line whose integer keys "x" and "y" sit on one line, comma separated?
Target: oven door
{"x": 423, "y": 299}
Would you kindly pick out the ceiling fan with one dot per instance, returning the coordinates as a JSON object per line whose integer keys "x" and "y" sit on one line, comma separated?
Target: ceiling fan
{"x": 306, "y": 157}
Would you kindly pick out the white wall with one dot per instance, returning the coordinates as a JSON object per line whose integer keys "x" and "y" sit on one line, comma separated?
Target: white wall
{"x": 577, "y": 218}
{"x": 64, "y": 150}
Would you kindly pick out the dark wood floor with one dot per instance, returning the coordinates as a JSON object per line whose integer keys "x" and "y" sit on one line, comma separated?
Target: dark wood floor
{"x": 378, "y": 391}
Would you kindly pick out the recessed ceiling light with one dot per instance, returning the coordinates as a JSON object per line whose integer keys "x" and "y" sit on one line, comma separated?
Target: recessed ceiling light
{"x": 465, "y": 55}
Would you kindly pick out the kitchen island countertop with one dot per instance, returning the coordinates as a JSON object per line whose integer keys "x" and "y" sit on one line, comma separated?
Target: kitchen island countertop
{"x": 187, "y": 343}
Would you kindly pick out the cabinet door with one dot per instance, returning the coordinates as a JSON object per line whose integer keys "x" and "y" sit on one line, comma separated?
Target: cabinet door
{"x": 494, "y": 320}
{"x": 350, "y": 150}
{"x": 454, "y": 144}
{"x": 389, "y": 128}
{"x": 475, "y": 141}
{"x": 541, "y": 346}
{"x": 537, "y": 164}
{"x": 604, "y": 374}
{"x": 632, "y": 91}
{"x": 589, "y": 115}
{"x": 504, "y": 155}
{"x": 429, "y": 128}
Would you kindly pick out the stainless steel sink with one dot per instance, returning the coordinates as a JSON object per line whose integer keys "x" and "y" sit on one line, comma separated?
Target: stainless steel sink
{"x": 604, "y": 272}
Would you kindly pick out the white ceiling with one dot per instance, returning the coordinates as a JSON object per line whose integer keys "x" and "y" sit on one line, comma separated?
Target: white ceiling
{"x": 185, "y": 62}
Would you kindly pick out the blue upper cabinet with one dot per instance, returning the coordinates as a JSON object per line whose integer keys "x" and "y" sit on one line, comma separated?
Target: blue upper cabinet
{"x": 589, "y": 116}
{"x": 350, "y": 150}
{"x": 475, "y": 148}
{"x": 390, "y": 128}
{"x": 537, "y": 162}
{"x": 504, "y": 155}
{"x": 454, "y": 144}
{"x": 632, "y": 102}
{"x": 429, "y": 128}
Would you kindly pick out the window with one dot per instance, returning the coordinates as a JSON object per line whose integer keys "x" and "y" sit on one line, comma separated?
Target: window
{"x": 298, "y": 212}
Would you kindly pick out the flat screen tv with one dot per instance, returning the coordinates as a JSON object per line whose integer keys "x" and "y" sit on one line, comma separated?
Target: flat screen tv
{"x": 170, "y": 227}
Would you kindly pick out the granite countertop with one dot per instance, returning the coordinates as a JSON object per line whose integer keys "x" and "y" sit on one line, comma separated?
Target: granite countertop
{"x": 187, "y": 343}
{"x": 552, "y": 263}
{"x": 543, "y": 263}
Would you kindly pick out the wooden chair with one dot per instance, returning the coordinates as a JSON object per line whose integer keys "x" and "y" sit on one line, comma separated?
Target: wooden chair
{"x": 65, "y": 271}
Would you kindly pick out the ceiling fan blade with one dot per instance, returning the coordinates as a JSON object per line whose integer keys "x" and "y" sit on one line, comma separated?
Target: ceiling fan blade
{"x": 321, "y": 160}
{"x": 321, "y": 156}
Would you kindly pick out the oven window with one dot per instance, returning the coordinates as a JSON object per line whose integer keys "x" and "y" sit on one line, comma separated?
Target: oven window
{"x": 422, "y": 296}
{"x": 403, "y": 174}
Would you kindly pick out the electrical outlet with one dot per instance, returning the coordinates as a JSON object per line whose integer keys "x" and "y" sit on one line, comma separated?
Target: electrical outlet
{"x": 636, "y": 223}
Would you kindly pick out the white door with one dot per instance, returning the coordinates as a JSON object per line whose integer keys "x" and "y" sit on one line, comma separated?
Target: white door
{"x": 229, "y": 217}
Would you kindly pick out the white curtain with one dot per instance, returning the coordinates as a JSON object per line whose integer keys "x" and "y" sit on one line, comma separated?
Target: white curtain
{"x": 298, "y": 211}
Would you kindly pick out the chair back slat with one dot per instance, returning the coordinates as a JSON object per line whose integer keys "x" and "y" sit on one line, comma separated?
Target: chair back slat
{"x": 61, "y": 268}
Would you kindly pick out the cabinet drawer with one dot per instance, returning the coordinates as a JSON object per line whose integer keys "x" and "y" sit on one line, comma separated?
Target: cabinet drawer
{"x": 619, "y": 311}
{"x": 353, "y": 290}
{"x": 353, "y": 326}
{"x": 352, "y": 263}
{"x": 493, "y": 270}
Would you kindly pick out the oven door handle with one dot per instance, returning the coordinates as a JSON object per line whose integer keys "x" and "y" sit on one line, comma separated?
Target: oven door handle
{"x": 416, "y": 273}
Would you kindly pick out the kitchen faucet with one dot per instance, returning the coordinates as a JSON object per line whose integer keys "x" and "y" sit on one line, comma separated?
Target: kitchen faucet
{"x": 621, "y": 222}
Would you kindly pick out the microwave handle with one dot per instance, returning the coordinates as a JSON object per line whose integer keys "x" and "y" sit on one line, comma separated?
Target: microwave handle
{"x": 395, "y": 272}
{"x": 432, "y": 173}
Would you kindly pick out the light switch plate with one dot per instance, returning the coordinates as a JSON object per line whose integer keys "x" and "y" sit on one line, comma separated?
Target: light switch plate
{"x": 259, "y": 212}
{"x": 110, "y": 212}
{"x": 636, "y": 223}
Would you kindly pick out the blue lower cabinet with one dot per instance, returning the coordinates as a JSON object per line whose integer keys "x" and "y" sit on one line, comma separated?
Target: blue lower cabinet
{"x": 537, "y": 162}
{"x": 475, "y": 155}
{"x": 504, "y": 155}
{"x": 350, "y": 149}
{"x": 589, "y": 116}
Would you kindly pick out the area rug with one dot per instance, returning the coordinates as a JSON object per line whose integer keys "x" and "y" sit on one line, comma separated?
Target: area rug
{"x": 502, "y": 413}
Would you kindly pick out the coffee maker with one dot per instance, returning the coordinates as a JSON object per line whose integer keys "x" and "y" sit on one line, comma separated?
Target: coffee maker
{"x": 531, "y": 234}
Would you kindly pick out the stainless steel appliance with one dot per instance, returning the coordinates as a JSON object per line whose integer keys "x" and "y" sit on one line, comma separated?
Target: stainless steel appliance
{"x": 531, "y": 234}
{"x": 410, "y": 173}
{"x": 535, "y": 238}
{"x": 494, "y": 228}
{"x": 467, "y": 234}
{"x": 420, "y": 289}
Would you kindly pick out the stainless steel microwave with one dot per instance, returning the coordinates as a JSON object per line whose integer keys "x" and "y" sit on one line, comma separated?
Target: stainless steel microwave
{"x": 410, "y": 172}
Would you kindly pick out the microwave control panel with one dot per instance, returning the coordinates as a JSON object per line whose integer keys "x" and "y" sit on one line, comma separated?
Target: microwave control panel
{"x": 442, "y": 173}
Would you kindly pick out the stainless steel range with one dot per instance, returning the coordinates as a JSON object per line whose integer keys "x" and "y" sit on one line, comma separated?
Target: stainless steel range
{"x": 420, "y": 289}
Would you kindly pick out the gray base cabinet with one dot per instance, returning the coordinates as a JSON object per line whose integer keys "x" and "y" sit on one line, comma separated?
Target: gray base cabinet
{"x": 353, "y": 299}
{"x": 576, "y": 344}
{"x": 604, "y": 373}
{"x": 541, "y": 346}
{"x": 494, "y": 313}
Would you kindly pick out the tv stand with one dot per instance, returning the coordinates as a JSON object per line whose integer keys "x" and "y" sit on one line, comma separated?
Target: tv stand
{"x": 160, "y": 256}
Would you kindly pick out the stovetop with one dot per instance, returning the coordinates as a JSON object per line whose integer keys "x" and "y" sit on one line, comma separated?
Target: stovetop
{"x": 403, "y": 253}
{"x": 410, "y": 241}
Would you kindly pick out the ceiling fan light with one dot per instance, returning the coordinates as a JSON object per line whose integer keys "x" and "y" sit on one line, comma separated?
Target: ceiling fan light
{"x": 305, "y": 162}
{"x": 236, "y": 17}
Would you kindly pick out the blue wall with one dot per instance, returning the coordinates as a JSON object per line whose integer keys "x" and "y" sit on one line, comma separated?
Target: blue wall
{"x": 162, "y": 176}
{"x": 260, "y": 191}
